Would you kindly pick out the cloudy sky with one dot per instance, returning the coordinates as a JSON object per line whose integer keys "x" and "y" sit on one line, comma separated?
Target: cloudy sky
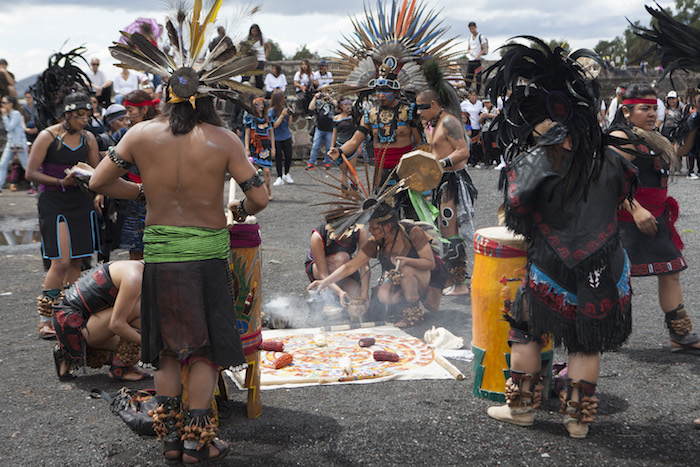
{"x": 31, "y": 30}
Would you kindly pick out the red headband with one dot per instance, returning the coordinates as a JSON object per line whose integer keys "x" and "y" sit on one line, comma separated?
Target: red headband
{"x": 639, "y": 101}
{"x": 154, "y": 103}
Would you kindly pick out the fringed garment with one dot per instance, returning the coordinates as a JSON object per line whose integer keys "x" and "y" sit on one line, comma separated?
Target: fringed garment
{"x": 577, "y": 285}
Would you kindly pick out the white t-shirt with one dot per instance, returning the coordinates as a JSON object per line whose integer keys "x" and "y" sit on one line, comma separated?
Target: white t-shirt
{"x": 96, "y": 79}
{"x": 302, "y": 78}
{"x": 474, "y": 45}
{"x": 660, "y": 111}
{"x": 323, "y": 80}
{"x": 272, "y": 83}
{"x": 474, "y": 110}
{"x": 260, "y": 48}
{"x": 612, "y": 110}
{"x": 125, "y": 86}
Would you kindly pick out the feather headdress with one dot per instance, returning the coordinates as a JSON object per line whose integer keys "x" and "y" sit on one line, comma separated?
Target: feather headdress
{"x": 546, "y": 85}
{"x": 677, "y": 44}
{"x": 389, "y": 46}
{"x": 189, "y": 73}
{"x": 62, "y": 75}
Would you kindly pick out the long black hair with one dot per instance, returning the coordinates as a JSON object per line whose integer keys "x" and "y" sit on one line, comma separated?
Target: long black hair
{"x": 182, "y": 117}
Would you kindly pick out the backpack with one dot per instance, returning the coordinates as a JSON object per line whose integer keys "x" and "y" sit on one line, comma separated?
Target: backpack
{"x": 485, "y": 42}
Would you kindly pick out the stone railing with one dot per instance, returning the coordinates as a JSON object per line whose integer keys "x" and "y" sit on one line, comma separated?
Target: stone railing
{"x": 609, "y": 79}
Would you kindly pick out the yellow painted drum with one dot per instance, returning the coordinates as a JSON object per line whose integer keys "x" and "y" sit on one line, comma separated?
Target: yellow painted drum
{"x": 244, "y": 263}
{"x": 499, "y": 267}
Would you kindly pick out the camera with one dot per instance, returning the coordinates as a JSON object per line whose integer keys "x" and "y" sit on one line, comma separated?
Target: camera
{"x": 290, "y": 111}
{"x": 104, "y": 141}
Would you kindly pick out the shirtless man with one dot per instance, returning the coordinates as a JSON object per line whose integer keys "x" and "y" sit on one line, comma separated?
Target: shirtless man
{"x": 392, "y": 125}
{"x": 448, "y": 142}
{"x": 187, "y": 309}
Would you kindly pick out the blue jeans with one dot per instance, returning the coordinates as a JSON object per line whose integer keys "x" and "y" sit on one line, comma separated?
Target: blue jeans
{"x": 319, "y": 137}
{"x": 7, "y": 158}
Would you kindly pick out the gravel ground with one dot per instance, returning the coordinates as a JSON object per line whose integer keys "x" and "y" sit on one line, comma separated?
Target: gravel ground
{"x": 648, "y": 396}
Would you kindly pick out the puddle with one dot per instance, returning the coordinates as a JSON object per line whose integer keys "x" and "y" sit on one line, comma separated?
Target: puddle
{"x": 19, "y": 237}
{"x": 15, "y": 231}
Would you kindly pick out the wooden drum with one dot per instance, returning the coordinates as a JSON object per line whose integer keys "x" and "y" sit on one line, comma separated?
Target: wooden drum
{"x": 245, "y": 265}
{"x": 499, "y": 267}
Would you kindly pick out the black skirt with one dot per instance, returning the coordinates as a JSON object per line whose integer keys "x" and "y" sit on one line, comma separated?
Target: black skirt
{"x": 187, "y": 307}
{"x": 651, "y": 255}
{"x": 75, "y": 208}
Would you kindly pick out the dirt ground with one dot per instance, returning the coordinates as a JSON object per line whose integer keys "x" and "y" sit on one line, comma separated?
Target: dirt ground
{"x": 649, "y": 396}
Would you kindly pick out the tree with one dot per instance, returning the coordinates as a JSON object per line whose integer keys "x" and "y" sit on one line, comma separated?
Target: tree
{"x": 276, "y": 53}
{"x": 688, "y": 12}
{"x": 302, "y": 53}
{"x": 613, "y": 48}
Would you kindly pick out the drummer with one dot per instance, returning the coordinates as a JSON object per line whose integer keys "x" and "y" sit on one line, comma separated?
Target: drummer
{"x": 452, "y": 196}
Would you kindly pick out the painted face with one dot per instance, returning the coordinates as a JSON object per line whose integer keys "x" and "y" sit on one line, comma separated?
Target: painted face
{"x": 386, "y": 98}
{"x": 78, "y": 119}
{"x": 642, "y": 115}
{"x": 424, "y": 108}
{"x": 135, "y": 114}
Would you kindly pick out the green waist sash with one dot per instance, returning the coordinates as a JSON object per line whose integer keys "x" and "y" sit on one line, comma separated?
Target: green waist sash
{"x": 173, "y": 244}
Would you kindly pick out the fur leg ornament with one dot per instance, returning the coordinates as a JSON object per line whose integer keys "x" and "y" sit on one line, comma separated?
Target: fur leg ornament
{"x": 680, "y": 328}
{"x": 412, "y": 314}
{"x": 523, "y": 396}
{"x": 45, "y": 303}
{"x": 168, "y": 424}
{"x": 128, "y": 352}
{"x": 578, "y": 414}
{"x": 97, "y": 358}
{"x": 199, "y": 435}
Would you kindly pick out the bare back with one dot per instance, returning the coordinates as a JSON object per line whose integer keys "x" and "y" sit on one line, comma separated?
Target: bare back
{"x": 183, "y": 176}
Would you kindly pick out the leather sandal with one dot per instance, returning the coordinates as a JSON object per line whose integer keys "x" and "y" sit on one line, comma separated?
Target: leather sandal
{"x": 62, "y": 362}
{"x": 120, "y": 373}
{"x": 46, "y": 331}
{"x": 202, "y": 455}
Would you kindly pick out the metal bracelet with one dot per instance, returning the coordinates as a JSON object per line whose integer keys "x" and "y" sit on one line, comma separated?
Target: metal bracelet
{"x": 140, "y": 197}
{"x": 241, "y": 210}
{"x": 255, "y": 180}
{"x": 118, "y": 161}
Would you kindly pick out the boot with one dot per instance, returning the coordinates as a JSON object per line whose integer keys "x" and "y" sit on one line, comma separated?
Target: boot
{"x": 680, "y": 329}
{"x": 199, "y": 436}
{"x": 523, "y": 396}
{"x": 578, "y": 414}
{"x": 167, "y": 423}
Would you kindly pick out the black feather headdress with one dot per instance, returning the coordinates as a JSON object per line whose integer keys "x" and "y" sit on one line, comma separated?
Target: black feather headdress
{"x": 61, "y": 76}
{"x": 551, "y": 85}
{"x": 677, "y": 44}
{"x": 189, "y": 73}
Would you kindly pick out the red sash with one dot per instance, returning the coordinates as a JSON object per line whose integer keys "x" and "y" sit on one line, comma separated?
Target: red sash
{"x": 391, "y": 156}
{"x": 657, "y": 203}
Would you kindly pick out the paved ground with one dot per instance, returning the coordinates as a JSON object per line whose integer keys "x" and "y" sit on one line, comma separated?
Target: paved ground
{"x": 649, "y": 397}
